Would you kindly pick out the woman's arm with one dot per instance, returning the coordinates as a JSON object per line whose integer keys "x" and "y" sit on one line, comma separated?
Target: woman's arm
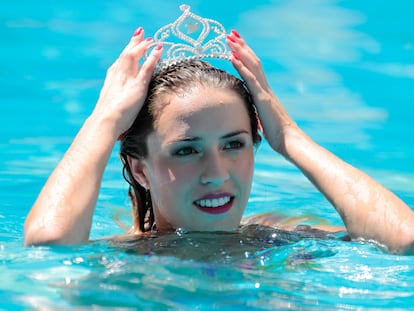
{"x": 368, "y": 209}
{"x": 62, "y": 213}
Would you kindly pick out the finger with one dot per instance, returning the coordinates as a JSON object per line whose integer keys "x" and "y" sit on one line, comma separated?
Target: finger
{"x": 246, "y": 55}
{"x": 236, "y": 42}
{"x": 128, "y": 59}
{"x": 148, "y": 66}
{"x": 240, "y": 60}
{"x": 252, "y": 83}
{"x": 137, "y": 37}
{"x": 137, "y": 53}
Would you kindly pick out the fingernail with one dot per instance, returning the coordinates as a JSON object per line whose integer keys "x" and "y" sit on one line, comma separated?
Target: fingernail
{"x": 235, "y": 33}
{"x": 138, "y": 31}
{"x": 231, "y": 38}
{"x": 235, "y": 56}
{"x": 158, "y": 47}
{"x": 148, "y": 39}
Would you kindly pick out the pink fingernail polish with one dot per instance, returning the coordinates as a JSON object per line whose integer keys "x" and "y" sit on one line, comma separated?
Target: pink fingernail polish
{"x": 148, "y": 39}
{"x": 235, "y": 56}
{"x": 235, "y": 33}
{"x": 138, "y": 31}
{"x": 158, "y": 47}
{"x": 231, "y": 38}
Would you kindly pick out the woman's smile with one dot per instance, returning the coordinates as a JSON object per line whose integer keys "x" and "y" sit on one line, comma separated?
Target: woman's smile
{"x": 215, "y": 203}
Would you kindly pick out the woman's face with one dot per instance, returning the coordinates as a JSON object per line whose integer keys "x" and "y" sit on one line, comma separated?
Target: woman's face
{"x": 199, "y": 166}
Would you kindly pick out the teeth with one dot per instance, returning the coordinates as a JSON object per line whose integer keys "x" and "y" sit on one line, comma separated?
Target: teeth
{"x": 214, "y": 202}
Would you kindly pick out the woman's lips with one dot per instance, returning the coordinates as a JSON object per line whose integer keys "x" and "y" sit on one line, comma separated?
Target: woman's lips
{"x": 215, "y": 203}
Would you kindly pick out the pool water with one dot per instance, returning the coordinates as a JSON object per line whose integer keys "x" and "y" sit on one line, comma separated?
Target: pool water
{"x": 344, "y": 70}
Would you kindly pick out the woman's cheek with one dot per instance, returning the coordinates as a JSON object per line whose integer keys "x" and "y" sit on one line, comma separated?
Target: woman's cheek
{"x": 245, "y": 164}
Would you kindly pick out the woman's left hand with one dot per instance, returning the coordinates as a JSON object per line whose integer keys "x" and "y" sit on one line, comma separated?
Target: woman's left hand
{"x": 368, "y": 209}
{"x": 273, "y": 116}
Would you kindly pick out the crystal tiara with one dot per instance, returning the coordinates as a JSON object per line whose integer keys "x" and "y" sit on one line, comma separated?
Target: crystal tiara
{"x": 191, "y": 37}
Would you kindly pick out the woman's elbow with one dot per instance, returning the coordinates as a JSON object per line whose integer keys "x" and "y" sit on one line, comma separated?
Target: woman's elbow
{"x": 405, "y": 246}
{"x": 35, "y": 234}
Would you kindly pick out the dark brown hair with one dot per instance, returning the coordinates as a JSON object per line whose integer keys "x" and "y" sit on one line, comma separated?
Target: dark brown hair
{"x": 176, "y": 79}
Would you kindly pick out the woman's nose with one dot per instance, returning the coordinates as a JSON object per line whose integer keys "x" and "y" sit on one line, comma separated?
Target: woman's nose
{"x": 215, "y": 171}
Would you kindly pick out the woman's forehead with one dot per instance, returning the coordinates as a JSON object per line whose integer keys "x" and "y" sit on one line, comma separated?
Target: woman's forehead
{"x": 201, "y": 100}
{"x": 202, "y": 109}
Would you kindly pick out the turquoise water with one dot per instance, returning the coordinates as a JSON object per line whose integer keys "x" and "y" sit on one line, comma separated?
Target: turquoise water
{"x": 345, "y": 71}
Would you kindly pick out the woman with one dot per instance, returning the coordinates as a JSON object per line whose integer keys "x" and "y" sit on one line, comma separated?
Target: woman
{"x": 189, "y": 155}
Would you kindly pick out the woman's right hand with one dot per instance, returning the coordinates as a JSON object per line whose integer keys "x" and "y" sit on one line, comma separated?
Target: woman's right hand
{"x": 126, "y": 84}
{"x": 62, "y": 213}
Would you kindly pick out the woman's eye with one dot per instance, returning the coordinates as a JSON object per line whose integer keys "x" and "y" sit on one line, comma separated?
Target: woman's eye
{"x": 185, "y": 151}
{"x": 235, "y": 144}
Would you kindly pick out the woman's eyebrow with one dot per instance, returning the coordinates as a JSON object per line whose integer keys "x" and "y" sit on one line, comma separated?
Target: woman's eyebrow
{"x": 184, "y": 139}
{"x": 235, "y": 133}
{"x": 197, "y": 138}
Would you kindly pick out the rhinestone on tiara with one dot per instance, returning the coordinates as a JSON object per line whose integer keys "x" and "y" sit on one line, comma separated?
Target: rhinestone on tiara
{"x": 191, "y": 37}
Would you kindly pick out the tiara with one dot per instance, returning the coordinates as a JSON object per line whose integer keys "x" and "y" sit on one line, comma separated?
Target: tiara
{"x": 190, "y": 37}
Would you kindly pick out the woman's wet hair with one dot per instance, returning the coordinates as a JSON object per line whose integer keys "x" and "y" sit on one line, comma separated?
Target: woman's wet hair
{"x": 174, "y": 80}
